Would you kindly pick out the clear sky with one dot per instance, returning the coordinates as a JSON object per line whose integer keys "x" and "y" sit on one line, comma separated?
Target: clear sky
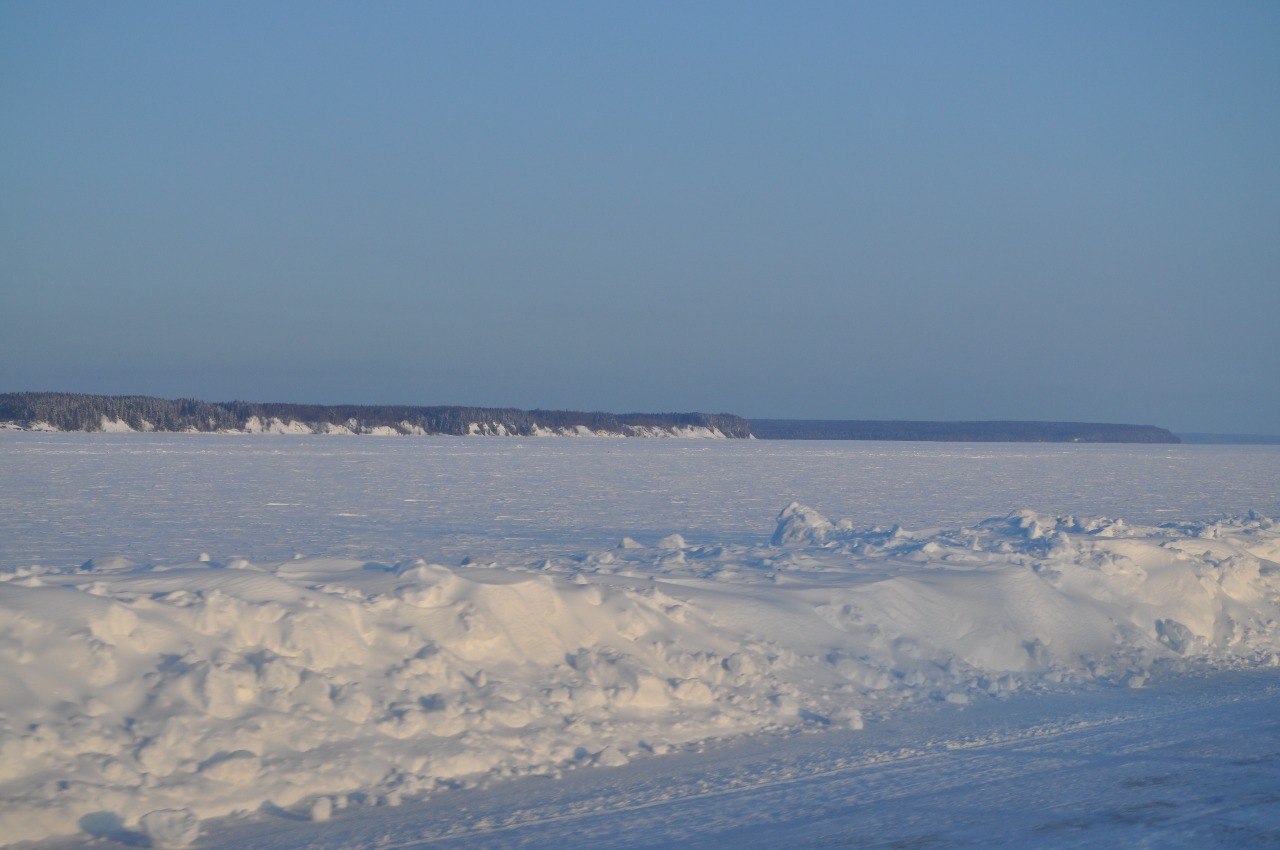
{"x": 861, "y": 210}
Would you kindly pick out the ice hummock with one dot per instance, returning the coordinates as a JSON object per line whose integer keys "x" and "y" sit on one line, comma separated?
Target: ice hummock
{"x": 165, "y": 694}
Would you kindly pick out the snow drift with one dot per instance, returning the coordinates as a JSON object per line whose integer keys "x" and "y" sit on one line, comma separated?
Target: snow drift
{"x": 159, "y": 695}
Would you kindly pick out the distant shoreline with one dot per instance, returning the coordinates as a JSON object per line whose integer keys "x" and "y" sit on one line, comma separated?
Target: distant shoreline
{"x": 1231, "y": 439}
{"x": 958, "y": 432}
{"x": 74, "y": 412}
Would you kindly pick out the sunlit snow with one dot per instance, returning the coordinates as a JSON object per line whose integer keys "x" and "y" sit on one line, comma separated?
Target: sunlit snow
{"x": 355, "y": 627}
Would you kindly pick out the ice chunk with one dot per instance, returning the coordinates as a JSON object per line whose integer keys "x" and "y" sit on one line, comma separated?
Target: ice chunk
{"x": 799, "y": 523}
{"x": 322, "y": 809}
{"x": 170, "y": 828}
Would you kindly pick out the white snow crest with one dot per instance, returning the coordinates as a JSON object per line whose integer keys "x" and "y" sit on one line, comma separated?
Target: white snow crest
{"x": 167, "y": 695}
{"x": 688, "y": 432}
{"x": 115, "y": 426}
{"x": 256, "y": 425}
{"x": 39, "y": 427}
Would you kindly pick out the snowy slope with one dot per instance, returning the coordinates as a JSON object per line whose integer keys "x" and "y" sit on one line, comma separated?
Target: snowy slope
{"x": 211, "y": 688}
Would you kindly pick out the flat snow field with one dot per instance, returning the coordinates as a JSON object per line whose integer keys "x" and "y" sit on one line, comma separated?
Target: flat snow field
{"x": 282, "y": 642}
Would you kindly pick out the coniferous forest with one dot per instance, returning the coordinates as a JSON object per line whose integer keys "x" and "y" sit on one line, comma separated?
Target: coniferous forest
{"x": 83, "y": 412}
{"x": 79, "y": 412}
{"x": 959, "y": 432}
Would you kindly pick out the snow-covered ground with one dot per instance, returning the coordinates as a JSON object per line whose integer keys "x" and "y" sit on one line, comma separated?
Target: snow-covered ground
{"x": 386, "y": 638}
{"x": 1192, "y": 763}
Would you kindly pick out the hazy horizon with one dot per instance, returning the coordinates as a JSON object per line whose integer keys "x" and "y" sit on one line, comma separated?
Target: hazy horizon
{"x": 919, "y": 211}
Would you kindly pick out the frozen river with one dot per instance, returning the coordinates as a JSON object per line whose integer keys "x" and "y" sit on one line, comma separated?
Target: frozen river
{"x": 68, "y": 497}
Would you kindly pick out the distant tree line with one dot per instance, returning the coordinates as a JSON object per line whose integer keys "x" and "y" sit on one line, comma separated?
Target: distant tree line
{"x": 81, "y": 412}
{"x": 1232, "y": 439}
{"x": 958, "y": 432}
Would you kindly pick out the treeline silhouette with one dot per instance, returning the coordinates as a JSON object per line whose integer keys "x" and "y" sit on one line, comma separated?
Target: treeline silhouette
{"x": 85, "y": 412}
{"x": 959, "y": 432}
{"x": 82, "y": 412}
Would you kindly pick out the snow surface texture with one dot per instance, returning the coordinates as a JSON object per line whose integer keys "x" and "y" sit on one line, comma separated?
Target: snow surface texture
{"x": 1191, "y": 762}
{"x": 164, "y": 498}
{"x": 156, "y": 696}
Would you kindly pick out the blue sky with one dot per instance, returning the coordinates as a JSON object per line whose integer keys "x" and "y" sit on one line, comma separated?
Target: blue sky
{"x": 819, "y": 210}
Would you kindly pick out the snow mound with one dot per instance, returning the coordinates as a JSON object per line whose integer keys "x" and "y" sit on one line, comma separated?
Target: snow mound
{"x": 166, "y": 695}
{"x": 800, "y": 524}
